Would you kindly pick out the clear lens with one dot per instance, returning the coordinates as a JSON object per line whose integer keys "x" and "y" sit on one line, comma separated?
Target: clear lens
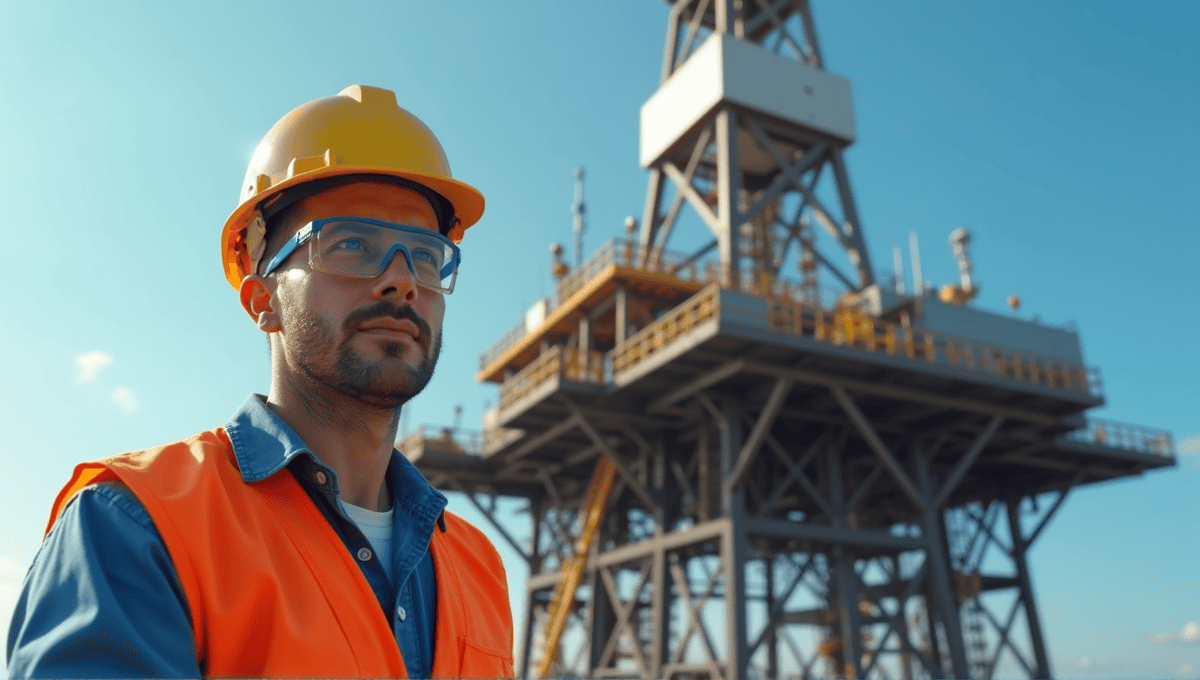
{"x": 362, "y": 248}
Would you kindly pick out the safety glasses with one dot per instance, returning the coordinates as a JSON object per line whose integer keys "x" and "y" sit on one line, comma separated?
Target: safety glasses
{"x": 363, "y": 248}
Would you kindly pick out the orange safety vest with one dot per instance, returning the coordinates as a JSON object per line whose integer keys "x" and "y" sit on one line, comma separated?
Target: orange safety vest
{"x": 272, "y": 589}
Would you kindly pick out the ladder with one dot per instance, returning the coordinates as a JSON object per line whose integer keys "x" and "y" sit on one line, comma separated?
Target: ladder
{"x": 572, "y": 570}
{"x": 975, "y": 639}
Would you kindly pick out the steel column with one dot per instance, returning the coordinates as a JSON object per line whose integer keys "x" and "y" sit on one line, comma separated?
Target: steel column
{"x": 1019, "y": 549}
{"x": 940, "y": 571}
{"x": 728, "y": 197}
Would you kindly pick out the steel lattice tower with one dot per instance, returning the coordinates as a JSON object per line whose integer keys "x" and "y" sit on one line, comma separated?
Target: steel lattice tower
{"x": 803, "y": 490}
{"x": 739, "y": 161}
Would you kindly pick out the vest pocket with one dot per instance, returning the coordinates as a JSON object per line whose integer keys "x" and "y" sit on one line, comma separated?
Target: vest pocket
{"x": 477, "y": 661}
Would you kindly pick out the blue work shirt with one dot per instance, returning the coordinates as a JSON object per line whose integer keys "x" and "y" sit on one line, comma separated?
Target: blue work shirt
{"x": 103, "y": 599}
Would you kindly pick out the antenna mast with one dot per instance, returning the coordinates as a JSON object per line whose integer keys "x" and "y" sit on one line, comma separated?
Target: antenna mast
{"x": 578, "y": 208}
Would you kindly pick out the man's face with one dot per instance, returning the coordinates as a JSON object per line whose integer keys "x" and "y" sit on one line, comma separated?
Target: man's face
{"x": 376, "y": 340}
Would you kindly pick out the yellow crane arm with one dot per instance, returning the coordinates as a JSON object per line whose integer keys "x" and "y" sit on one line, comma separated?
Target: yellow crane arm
{"x": 572, "y": 571}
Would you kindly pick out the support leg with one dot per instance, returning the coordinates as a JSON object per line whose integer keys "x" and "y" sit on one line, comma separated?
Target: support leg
{"x": 1025, "y": 583}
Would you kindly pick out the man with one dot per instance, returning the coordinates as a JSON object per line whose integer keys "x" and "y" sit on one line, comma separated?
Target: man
{"x": 295, "y": 540}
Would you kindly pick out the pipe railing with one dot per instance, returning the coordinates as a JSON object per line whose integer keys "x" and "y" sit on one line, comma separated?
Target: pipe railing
{"x": 1113, "y": 434}
{"x": 570, "y": 363}
{"x": 510, "y": 338}
{"x": 620, "y": 252}
{"x": 850, "y": 327}
{"x": 630, "y": 253}
{"x": 454, "y": 439}
{"x": 844, "y": 327}
{"x": 683, "y": 318}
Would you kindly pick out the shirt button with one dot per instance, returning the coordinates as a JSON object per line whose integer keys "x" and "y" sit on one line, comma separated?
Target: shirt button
{"x": 364, "y": 554}
{"x": 401, "y": 613}
{"x": 321, "y": 477}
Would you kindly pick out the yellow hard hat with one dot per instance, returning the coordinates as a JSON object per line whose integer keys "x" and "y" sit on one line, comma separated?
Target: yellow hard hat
{"x": 361, "y": 131}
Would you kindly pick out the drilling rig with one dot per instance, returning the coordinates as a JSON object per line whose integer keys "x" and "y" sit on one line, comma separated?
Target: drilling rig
{"x": 799, "y": 487}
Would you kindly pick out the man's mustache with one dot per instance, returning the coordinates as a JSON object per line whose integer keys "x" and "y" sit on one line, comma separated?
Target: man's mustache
{"x": 384, "y": 309}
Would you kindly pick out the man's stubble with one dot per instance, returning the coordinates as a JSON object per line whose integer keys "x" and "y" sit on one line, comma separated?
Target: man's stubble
{"x": 356, "y": 377}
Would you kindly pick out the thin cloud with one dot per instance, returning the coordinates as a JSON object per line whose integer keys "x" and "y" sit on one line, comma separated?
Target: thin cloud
{"x": 124, "y": 397}
{"x": 1189, "y": 446}
{"x": 90, "y": 364}
{"x": 11, "y": 569}
{"x": 1087, "y": 665}
{"x": 1189, "y": 635}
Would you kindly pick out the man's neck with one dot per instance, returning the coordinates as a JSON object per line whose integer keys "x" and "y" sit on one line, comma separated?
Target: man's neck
{"x": 354, "y": 439}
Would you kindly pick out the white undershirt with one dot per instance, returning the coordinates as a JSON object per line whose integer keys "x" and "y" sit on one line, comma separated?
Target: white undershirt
{"x": 377, "y": 527}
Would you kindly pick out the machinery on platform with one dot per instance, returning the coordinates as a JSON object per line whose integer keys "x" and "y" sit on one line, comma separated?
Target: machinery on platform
{"x": 796, "y": 486}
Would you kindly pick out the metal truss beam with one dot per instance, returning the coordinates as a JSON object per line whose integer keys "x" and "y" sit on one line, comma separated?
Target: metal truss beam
{"x": 796, "y": 473}
{"x": 544, "y": 438}
{"x": 759, "y": 433}
{"x": 1062, "y": 496}
{"x": 968, "y": 459}
{"x": 490, "y": 515}
{"x": 829, "y": 535}
{"x": 655, "y": 239}
{"x": 683, "y": 184}
{"x": 624, "y": 611}
{"x": 899, "y": 393}
{"x": 1019, "y": 549}
{"x": 877, "y": 445}
{"x": 630, "y": 480}
{"x": 697, "y": 385}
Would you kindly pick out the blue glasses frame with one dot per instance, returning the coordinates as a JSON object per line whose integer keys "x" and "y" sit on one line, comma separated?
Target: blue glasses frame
{"x": 310, "y": 230}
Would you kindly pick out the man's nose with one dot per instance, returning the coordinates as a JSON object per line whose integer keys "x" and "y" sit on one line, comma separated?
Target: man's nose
{"x": 397, "y": 279}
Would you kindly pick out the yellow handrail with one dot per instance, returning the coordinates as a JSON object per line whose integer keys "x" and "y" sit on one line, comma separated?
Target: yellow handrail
{"x": 1113, "y": 434}
{"x": 572, "y": 571}
{"x": 679, "y": 321}
{"x": 571, "y": 363}
{"x": 849, "y": 326}
{"x": 844, "y": 326}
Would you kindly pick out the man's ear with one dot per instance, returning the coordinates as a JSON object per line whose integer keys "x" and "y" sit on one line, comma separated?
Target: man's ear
{"x": 258, "y": 299}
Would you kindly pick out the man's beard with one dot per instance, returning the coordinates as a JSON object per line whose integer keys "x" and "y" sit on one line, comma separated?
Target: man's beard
{"x": 358, "y": 378}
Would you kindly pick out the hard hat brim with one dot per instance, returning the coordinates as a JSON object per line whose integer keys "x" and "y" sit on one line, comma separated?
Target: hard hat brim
{"x": 467, "y": 201}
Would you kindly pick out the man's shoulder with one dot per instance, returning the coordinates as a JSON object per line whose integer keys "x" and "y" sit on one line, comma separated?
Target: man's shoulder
{"x": 198, "y": 448}
{"x": 455, "y": 524}
{"x": 161, "y": 471}
{"x": 471, "y": 538}
{"x": 108, "y": 498}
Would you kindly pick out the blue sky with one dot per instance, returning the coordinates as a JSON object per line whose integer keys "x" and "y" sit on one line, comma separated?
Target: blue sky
{"x": 1066, "y": 136}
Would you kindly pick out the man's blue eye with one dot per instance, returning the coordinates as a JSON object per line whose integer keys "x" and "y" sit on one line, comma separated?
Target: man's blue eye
{"x": 424, "y": 256}
{"x": 353, "y": 244}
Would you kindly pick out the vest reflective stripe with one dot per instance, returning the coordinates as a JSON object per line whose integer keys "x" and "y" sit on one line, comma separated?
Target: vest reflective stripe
{"x": 272, "y": 589}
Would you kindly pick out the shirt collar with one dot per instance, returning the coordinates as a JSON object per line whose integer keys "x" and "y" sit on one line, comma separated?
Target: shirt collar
{"x": 263, "y": 445}
{"x": 412, "y": 491}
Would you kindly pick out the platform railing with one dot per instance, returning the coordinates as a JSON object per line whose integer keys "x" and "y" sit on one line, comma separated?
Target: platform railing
{"x": 630, "y": 253}
{"x": 445, "y": 439}
{"x": 851, "y": 327}
{"x": 570, "y": 363}
{"x": 1117, "y": 435}
{"x": 510, "y": 338}
{"x": 495, "y": 437}
{"x": 845, "y": 327}
{"x": 682, "y": 319}
{"x": 620, "y": 252}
